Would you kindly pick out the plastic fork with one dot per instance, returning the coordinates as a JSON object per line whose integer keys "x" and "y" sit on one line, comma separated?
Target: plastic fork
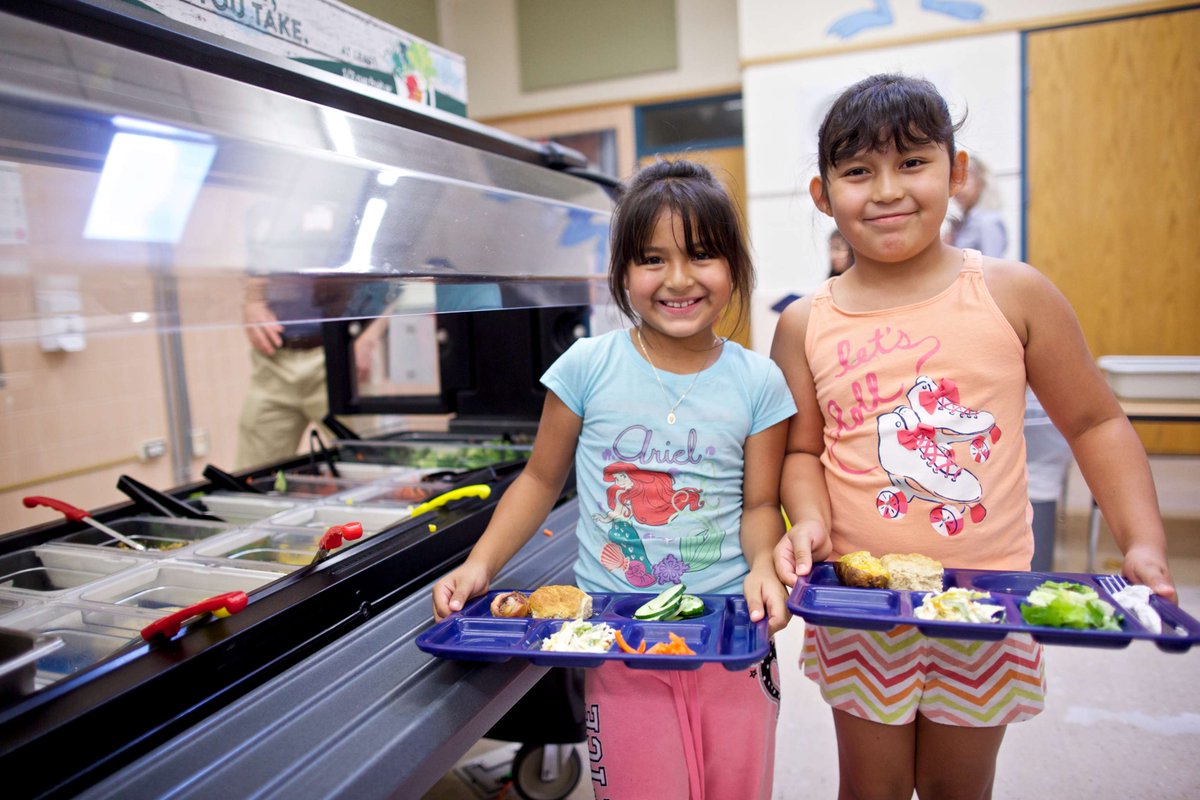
{"x": 1112, "y": 583}
{"x": 1115, "y": 583}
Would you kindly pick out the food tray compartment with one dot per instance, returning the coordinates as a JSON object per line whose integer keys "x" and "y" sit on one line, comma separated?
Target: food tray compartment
{"x": 159, "y": 535}
{"x": 243, "y": 509}
{"x": 170, "y": 586}
{"x": 723, "y": 634}
{"x": 264, "y": 547}
{"x": 88, "y": 635}
{"x": 49, "y": 571}
{"x": 19, "y": 653}
{"x": 821, "y": 599}
{"x": 1152, "y": 377}
{"x": 322, "y": 516}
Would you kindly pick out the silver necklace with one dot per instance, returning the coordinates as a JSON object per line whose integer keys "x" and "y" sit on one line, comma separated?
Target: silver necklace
{"x": 670, "y": 414}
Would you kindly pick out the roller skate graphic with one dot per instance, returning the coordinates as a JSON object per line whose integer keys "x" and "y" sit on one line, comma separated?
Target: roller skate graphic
{"x": 937, "y": 406}
{"x": 919, "y": 468}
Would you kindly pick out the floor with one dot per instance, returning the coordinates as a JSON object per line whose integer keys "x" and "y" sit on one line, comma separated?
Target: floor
{"x": 1118, "y": 724}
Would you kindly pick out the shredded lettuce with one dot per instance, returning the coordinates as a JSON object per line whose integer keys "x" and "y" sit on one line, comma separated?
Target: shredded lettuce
{"x": 1062, "y": 604}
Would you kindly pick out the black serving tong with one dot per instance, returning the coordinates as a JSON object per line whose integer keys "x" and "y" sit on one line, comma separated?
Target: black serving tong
{"x": 159, "y": 503}
{"x": 223, "y": 480}
{"x": 314, "y": 438}
{"x": 338, "y": 428}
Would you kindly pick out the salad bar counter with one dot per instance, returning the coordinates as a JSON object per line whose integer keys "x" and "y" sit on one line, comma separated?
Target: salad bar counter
{"x": 253, "y": 634}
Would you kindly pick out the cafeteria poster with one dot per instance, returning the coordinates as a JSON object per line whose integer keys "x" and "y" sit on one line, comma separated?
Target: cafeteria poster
{"x": 335, "y": 38}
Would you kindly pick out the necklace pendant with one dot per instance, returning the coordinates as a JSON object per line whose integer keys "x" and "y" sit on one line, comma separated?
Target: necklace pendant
{"x": 671, "y": 418}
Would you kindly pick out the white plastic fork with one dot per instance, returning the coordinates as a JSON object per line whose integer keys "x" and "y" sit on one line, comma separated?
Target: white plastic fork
{"x": 1115, "y": 583}
{"x": 1112, "y": 583}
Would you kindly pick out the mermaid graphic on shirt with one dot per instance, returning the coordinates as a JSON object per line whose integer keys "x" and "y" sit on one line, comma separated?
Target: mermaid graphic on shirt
{"x": 650, "y": 498}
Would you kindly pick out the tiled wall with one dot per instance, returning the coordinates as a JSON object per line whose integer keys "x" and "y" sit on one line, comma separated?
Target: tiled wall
{"x": 71, "y": 423}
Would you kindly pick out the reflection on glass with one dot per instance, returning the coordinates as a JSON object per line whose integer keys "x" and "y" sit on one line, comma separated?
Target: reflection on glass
{"x": 150, "y": 180}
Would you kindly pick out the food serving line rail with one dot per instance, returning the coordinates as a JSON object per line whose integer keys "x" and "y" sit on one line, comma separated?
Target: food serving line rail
{"x": 370, "y": 716}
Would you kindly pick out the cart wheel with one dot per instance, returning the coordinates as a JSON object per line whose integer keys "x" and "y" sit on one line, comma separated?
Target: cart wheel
{"x": 891, "y": 504}
{"x": 946, "y": 520}
{"x": 536, "y": 779}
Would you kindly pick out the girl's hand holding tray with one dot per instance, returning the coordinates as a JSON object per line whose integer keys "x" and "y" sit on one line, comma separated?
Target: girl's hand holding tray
{"x": 821, "y": 598}
{"x": 720, "y": 632}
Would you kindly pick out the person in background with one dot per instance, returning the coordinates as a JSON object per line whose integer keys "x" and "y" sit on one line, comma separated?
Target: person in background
{"x": 905, "y": 371}
{"x": 677, "y": 438}
{"x": 841, "y": 257}
{"x": 287, "y": 371}
{"x": 977, "y": 225}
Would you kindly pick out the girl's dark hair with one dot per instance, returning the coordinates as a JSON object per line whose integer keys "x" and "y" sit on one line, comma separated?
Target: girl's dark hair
{"x": 710, "y": 224}
{"x": 881, "y": 110}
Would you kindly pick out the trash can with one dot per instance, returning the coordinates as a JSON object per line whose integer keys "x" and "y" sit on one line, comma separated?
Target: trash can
{"x": 1048, "y": 456}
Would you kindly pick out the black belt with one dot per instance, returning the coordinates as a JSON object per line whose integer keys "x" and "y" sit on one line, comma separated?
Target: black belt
{"x": 302, "y": 341}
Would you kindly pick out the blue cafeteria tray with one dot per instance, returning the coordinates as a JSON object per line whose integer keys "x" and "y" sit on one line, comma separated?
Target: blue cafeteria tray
{"x": 821, "y": 599}
{"x": 723, "y": 634}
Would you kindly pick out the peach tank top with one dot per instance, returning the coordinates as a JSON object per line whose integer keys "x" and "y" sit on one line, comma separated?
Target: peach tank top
{"x": 924, "y": 410}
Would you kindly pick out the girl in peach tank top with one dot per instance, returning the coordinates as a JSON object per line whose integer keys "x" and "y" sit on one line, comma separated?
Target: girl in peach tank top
{"x": 923, "y": 410}
{"x": 909, "y": 373}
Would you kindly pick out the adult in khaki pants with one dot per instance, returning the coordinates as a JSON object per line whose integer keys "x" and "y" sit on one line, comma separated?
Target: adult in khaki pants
{"x": 287, "y": 381}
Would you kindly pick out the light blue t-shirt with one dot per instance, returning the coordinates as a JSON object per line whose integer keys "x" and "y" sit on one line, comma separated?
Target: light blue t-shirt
{"x": 659, "y": 503}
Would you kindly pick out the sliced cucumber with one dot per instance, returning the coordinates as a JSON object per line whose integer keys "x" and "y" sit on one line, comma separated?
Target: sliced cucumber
{"x": 690, "y": 606}
{"x": 662, "y": 606}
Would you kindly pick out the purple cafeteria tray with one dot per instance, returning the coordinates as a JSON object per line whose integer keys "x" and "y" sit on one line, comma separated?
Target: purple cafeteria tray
{"x": 723, "y": 634}
{"x": 821, "y": 599}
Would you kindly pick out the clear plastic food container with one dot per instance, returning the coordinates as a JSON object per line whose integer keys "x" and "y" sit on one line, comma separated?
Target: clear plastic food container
{"x": 168, "y": 586}
{"x": 159, "y": 535}
{"x": 88, "y": 634}
{"x": 290, "y": 547}
{"x": 243, "y": 509}
{"x": 51, "y": 571}
{"x": 19, "y": 653}
{"x": 373, "y": 519}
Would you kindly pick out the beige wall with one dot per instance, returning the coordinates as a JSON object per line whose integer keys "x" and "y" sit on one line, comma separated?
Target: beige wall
{"x": 485, "y": 33}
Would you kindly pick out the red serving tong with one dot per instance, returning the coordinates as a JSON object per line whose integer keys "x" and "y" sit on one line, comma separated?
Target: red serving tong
{"x": 79, "y": 515}
{"x": 334, "y": 536}
{"x": 220, "y": 606}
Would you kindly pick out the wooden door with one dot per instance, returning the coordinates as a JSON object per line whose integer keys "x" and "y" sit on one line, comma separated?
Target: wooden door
{"x": 1114, "y": 185}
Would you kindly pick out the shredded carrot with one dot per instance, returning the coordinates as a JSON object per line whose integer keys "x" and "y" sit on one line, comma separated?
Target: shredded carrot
{"x": 625, "y": 645}
{"x": 677, "y": 647}
{"x": 547, "y": 532}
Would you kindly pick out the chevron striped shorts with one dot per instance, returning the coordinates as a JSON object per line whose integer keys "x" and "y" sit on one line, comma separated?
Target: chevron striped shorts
{"x": 888, "y": 676}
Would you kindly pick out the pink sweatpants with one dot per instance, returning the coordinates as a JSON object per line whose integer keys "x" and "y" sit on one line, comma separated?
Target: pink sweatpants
{"x": 704, "y": 734}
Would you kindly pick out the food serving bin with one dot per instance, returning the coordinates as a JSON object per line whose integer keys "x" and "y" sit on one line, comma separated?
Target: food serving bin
{"x": 49, "y": 571}
{"x": 19, "y": 653}
{"x": 243, "y": 509}
{"x": 373, "y": 519}
{"x": 159, "y": 535}
{"x": 88, "y": 634}
{"x": 166, "y": 586}
{"x": 291, "y": 484}
{"x": 261, "y": 546}
{"x": 1152, "y": 377}
{"x": 406, "y": 494}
